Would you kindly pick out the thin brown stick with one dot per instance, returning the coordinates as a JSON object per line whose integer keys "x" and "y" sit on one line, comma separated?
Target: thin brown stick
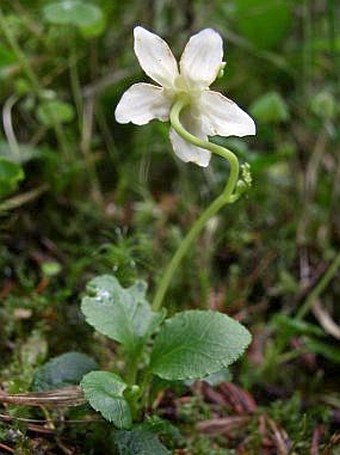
{"x": 66, "y": 397}
{"x": 23, "y": 198}
{"x": 8, "y": 449}
{"x": 8, "y": 418}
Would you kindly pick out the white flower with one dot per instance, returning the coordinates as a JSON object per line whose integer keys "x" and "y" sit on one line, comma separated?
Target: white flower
{"x": 207, "y": 113}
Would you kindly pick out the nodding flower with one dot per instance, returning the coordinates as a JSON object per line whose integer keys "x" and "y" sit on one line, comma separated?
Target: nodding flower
{"x": 206, "y": 113}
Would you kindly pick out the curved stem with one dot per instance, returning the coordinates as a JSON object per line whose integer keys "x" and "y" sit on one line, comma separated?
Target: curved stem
{"x": 8, "y": 127}
{"x": 227, "y": 197}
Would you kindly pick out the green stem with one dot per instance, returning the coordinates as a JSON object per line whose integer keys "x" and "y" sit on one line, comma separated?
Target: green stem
{"x": 307, "y": 55}
{"x": 75, "y": 82}
{"x": 319, "y": 288}
{"x": 227, "y": 197}
{"x": 132, "y": 370}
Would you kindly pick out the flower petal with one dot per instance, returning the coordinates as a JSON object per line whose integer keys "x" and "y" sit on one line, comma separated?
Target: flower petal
{"x": 142, "y": 103}
{"x": 202, "y": 58}
{"x": 184, "y": 149}
{"x": 222, "y": 116}
{"x": 155, "y": 57}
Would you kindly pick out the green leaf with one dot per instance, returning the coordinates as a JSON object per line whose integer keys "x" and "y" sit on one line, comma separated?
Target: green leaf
{"x": 95, "y": 29}
{"x": 292, "y": 326}
{"x": 104, "y": 391}
{"x": 139, "y": 442}
{"x": 194, "y": 344}
{"x": 73, "y": 12}
{"x": 319, "y": 347}
{"x": 25, "y": 153}
{"x": 262, "y": 22}
{"x": 161, "y": 427}
{"x": 121, "y": 314}
{"x": 62, "y": 371}
{"x": 50, "y": 268}
{"x": 51, "y": 111}
{"x": 270, "y": 108}
{"x": 10, "y": 176}
{"x": 7, "y": 58}
{"x": 217, "y": 378}
{"x": 324, "y": 105}
{"x": 213, "y": 379}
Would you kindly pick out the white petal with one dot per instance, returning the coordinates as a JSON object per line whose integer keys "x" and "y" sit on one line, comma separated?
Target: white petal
{"x": 222, "y": 116}
{"x": 202, "y": 58}
{"x": 142, "y": 103}
{"x": 155, "y": 57}
{"x": 184, "y": 149}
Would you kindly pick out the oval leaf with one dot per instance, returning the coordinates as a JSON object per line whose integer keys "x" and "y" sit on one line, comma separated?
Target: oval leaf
{"x": 139, "y": 442}
{"x": 10, "y": 176}
{"x": 73, "y": 12}
{"x": 51, "y": 111}
{"x": 104, "y": 391}
{"x": 121, "y": 314}
{"x": 62, "y": 371}
{"x": 194, "y": 344}
{"x": 270, "y": 108}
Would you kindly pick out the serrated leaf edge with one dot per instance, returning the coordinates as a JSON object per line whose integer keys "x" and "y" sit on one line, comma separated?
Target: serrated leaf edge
{"x": 208, "y": 371}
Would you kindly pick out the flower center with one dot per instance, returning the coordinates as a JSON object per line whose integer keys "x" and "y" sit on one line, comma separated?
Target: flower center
{"x": 185, "y": 91}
